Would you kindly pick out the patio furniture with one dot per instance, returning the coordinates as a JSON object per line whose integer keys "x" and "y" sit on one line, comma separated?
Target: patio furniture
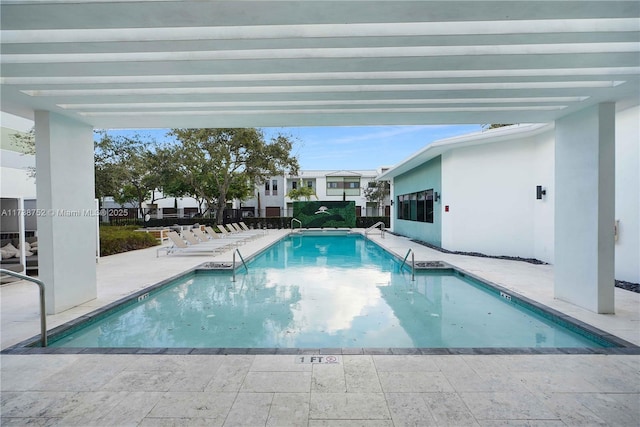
{"x": 180, "y": 246}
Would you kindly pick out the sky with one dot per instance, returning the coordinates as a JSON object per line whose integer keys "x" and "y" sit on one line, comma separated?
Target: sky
{"x": 349, "y": 147}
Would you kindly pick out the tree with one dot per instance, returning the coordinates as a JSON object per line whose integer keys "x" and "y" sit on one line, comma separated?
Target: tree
{"x": 377, "y": 192}
{"x": 301, "y": 192}
{"x": 495, "y": 125}
{"x": 26, "y": 142}
{"x": 124, "y": 169}
{"x": 221, "y": 164}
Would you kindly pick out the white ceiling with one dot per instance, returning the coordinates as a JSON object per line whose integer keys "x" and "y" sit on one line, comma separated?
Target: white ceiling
{"x": 116, "y": 64}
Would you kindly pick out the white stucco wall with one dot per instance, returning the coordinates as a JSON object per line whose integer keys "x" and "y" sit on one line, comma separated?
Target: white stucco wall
{"x": 627, "y": 261}
{"x": 490, "y": 191}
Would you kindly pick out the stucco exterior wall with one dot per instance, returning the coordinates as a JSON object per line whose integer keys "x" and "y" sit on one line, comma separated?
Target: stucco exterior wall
{"x": 491, "y": 193}
{"x": 425, "y": 177}
{"x": 627, "y": 247}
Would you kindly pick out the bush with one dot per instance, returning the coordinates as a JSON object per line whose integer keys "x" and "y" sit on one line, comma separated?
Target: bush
{"x": 368, "y": 221}
{"x": 114, "y": 240}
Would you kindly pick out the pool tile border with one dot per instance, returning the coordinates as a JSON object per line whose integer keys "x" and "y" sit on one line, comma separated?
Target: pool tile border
{"x": 474, "y": 351}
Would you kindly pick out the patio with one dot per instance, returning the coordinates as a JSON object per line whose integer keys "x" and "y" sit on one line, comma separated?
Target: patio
{"x": 266, "y": 390}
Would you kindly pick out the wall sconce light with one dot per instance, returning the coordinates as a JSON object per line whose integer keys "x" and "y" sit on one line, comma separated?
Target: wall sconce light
{"x": 436, "y": 196}
{"x": 540, "y": 192}
{"x": 391, "y": 202}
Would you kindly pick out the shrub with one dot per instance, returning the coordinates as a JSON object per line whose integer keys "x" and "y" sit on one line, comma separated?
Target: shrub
{"x": 114, "y": 240}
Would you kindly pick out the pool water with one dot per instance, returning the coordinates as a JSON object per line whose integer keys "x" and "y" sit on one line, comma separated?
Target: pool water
{"x": 324, "y": 292}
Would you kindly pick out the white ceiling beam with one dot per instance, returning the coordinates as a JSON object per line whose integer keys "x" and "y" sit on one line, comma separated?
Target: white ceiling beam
{"x": 368, "y": 52}
{"x": 381, "y": 102}
{"x": 383, "y": 29}
{"x": 326, "y": 88}
{"x": 332, "y": 76}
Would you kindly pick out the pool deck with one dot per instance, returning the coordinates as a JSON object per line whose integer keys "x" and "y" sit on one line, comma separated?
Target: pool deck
{"x": 277, "y": 390}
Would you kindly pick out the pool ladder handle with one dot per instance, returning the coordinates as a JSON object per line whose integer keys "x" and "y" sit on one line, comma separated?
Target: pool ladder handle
{"x": 413, "y": 264}
{"x": 296, "y": 220}
{"x": 43, "y": 313}
{"x": 380, "y": 224}
{"x": 234, "y": 263}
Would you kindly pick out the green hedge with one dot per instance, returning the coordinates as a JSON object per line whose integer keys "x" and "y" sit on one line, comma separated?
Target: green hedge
{"x": 114, "y": 240}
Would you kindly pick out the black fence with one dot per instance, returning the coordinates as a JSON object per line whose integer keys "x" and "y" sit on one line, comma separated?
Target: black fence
{"x": 232, "y": 216}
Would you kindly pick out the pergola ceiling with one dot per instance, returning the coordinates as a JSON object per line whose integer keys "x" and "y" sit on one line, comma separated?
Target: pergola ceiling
{"x": 115, "y": 64}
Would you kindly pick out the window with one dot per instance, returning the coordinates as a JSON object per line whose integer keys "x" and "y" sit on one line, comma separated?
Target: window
{"x": 421, "y": 207}
{"x": 267, "y": 190}
{"x": 343, "y": 185}
{"x": 429, "y": 206}
{"x": 274, "y": 187}
{"x": 413, "y": 207}
{"x": 416, "y": 206}
{"x": 310, "y": 184}
{"x": 294, "y": 185}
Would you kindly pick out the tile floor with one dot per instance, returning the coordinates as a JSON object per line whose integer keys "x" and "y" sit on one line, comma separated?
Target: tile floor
{"x": 277, "y": 390}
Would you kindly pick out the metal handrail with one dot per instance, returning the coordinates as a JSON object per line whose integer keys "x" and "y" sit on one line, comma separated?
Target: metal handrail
{"x": 296, "y": 220}
{"x": 413, "y": 267}
{"x": 43, "y": 313}
{"x": 405, "y": 258}
{"x": 234, "y": 263}
{"x": 379, "y": 223}
{"x": 413, "y": 264}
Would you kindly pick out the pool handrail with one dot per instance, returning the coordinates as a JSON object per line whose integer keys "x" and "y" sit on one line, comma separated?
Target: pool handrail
{"x": 297, "y": 220}
{"x": 379, "y": 223}
{"x": 43, "y": 313}
{"x": 413, "y": 264}
{"x": 234, "y": 263}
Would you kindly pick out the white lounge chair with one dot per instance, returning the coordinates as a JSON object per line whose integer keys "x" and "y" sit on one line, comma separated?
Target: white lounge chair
{"x": 228, "y": 235}
{"x": 241, "y": 231}
{"x": 245, "y": 227}
{"x": 178, "y": 245}
{"x": 202, "y": 236}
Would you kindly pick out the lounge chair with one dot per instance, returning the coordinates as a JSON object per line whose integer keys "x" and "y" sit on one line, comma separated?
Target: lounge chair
{"x": 245, "y": 227}
{"x": 178, "y": 245}
{"x": 238, "y": 229}
{"x": 228, "y": 235}
{"x": 235, "y": 231}
{"x": 192, "y": 240}
{"x": 202, "y": 236}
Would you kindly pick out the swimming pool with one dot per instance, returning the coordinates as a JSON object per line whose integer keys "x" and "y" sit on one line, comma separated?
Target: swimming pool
{"x": 325, "y": 291}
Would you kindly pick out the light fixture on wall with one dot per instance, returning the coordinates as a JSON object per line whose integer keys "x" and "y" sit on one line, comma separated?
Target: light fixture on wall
{"x": 540, "y": 192}
{"x": 436, "y": 196}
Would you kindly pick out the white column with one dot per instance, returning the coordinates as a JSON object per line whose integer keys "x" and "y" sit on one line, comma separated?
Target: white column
{"x": 65, "y": 203}
{"x": 585, "y": 207}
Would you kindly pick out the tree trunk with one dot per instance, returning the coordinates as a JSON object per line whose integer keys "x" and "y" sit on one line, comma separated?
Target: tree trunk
{"x": 220, "y": 211}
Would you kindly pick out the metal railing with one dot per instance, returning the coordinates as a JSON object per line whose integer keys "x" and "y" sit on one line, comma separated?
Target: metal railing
{"x": 234, "y": 263}
{"x": 296, "y": 220}
{"x": 413, "y": 264}
{"x": 43, "y": 313}
{"x": 374, "y": 226}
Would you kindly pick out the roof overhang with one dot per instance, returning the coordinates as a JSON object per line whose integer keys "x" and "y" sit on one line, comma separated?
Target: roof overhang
{"x": 136, "y": 64}
{"x": 438, "y": 148}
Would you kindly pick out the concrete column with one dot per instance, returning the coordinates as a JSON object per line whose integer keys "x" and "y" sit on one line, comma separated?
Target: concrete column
{"x": 66, "y": 209}
{"x": 585, "y": 208}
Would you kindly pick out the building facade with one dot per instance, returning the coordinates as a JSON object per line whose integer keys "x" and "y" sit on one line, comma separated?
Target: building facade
{"x": 271, "y": 198}
{"x": 494, "y": 192}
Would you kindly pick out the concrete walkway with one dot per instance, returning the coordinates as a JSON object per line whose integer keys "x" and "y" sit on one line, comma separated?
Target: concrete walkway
{"x": 280, "y": 390}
